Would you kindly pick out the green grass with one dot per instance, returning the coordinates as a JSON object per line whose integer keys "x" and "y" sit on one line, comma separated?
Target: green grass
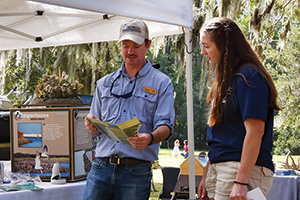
{"x": 166, "y": 159}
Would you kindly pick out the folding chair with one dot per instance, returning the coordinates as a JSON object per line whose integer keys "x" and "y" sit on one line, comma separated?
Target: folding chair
{"x": 170, "y": 176}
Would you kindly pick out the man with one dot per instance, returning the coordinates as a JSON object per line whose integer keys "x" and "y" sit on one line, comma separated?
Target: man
{"x": 136, "y": 89}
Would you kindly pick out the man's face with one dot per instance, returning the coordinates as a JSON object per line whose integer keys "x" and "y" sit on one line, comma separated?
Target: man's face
{"x": 134, "y": 54}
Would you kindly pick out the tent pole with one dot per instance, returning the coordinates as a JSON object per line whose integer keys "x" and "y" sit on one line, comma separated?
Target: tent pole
{"x": 190, "y": 120}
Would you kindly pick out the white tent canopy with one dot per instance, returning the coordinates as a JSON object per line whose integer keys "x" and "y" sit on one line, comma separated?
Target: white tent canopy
{"x": 42, "y": 23}
{"x": 28, "y": 24}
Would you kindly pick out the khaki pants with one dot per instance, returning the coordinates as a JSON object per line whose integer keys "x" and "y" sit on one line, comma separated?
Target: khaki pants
{"x": 221, "y": 176}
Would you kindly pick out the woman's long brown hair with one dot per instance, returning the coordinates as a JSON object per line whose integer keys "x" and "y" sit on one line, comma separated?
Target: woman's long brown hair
{"x": 235, "y": 52}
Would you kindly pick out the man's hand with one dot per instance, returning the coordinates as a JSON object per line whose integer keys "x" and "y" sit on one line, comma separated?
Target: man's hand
{"x": 141, "y": 141}
{"x": 90, "y": 128}
{"x": 144, "y": 139}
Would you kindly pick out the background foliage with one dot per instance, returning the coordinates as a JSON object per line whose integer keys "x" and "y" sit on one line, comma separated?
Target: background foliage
{"x": 272, "y": 28}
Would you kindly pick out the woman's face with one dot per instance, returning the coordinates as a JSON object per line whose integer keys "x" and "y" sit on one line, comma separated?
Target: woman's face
{"x": 209, "y": 48}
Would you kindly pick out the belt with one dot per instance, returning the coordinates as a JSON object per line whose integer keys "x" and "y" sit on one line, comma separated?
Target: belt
{"x": 123, "y": 161}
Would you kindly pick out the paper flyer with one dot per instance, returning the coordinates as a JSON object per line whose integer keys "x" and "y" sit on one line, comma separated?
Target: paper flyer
{"x": 256, "y": 194}
{"x": 119, "y": 132}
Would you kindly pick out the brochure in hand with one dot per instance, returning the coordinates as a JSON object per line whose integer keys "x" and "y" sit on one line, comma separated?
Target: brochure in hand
{"x": 119, "y": 132}
{"x": 256, "y": 194}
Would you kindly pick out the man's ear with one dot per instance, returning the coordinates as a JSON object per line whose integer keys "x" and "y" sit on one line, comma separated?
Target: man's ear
{"x": 148, "y": 44}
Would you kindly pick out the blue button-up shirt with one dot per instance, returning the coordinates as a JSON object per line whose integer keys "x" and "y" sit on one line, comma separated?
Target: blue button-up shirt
{"x": 152, "y": 102}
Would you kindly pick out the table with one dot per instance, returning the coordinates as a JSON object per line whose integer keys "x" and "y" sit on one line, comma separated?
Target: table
{"x": 285, "y": 188}
{"x": 68, "y": 191}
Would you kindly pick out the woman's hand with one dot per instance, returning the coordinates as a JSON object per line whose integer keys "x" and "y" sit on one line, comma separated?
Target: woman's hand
{"x": 202, "y": 189}
{"x": 238, "y": 192}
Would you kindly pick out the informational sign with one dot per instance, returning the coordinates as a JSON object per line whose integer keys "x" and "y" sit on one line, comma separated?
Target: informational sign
{"x": 82, "y": 144}
{"x": 43, "y": 137}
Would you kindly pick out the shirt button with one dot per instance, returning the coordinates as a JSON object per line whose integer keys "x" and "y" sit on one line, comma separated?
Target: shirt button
{"x": 124, "y": 110}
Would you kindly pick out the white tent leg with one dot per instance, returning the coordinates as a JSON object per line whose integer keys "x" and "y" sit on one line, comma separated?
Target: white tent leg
{"x": 190, "y": 120}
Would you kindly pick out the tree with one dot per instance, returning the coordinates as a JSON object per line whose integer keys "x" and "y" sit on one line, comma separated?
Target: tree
{"x": 85, "y": 62}
{"x": 284, "y": 62}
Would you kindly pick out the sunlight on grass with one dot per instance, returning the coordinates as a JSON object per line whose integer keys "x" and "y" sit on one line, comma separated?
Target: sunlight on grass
{"x": 165, "y": 159}
{"x": 278, "y": 160}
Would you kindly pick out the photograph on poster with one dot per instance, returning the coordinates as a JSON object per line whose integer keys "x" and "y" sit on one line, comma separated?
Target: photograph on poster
{"x": 83, "y": 162}
{"x": 30, "y": 134}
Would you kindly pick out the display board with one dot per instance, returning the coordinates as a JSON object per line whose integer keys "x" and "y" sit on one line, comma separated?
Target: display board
{"x": 4, "y": 135}
{"x": 44, "y": 136}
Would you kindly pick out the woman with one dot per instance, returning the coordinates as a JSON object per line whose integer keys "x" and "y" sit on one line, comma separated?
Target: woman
{"x": 242, "y": 101}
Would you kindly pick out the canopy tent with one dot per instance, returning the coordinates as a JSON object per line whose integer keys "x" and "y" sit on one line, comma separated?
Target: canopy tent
{"x": 28, "y": 24}
{"x": 42, "y": 23}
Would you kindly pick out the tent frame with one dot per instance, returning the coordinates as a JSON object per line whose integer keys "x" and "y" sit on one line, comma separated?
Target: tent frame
{"x": 166, "y": 16}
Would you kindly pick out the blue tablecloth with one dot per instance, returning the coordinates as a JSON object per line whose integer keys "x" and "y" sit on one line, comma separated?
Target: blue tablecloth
{"x": 285, "y": 188}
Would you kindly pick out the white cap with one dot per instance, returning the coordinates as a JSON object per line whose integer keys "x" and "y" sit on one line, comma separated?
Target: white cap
{"x": 134, "y": 30}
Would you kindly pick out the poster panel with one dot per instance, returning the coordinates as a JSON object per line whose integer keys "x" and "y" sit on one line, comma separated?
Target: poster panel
{"x": 82, "y": 144}
{"x": 40, "y": 138}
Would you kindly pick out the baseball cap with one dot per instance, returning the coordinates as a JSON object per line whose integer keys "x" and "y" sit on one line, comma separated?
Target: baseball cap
{"x": 135, "y": 30}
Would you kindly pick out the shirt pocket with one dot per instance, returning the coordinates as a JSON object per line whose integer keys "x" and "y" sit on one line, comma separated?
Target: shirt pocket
{"x": 110, "y": 105}
{"x": 145, "y": 105}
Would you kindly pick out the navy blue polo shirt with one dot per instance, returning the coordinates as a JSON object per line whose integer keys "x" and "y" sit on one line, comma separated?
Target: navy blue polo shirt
{"x": 248, "y": 97}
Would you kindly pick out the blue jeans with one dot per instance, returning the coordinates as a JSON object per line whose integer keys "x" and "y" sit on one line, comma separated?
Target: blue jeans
{"x": 185, "y": 155}
{"x": 118, "y": 182}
